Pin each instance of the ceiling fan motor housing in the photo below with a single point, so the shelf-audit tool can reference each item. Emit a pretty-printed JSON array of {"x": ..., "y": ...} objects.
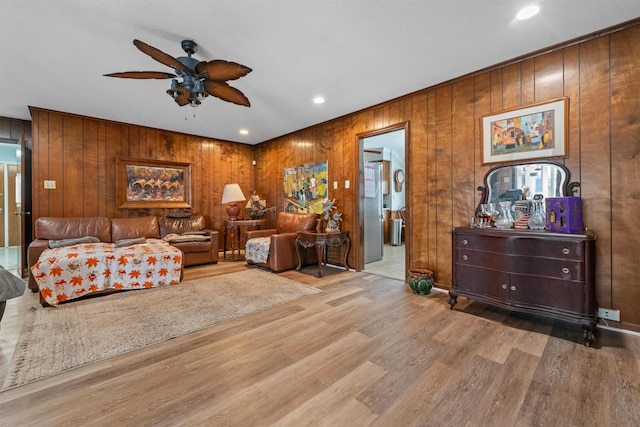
[{"x": 189, "y": 46}]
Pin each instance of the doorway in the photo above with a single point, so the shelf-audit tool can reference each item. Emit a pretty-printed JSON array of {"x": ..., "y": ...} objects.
[
  {"x": 10, "y": 207},
  {"x": 383, "y": 151}
]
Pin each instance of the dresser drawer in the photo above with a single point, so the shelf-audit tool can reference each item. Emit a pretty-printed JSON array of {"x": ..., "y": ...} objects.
[
  {"x": 546, "y": 267},
  {"x": 549, "y": 248}
]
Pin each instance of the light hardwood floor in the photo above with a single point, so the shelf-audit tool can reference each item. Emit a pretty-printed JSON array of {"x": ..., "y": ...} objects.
[{"x": 364, "y": 352}]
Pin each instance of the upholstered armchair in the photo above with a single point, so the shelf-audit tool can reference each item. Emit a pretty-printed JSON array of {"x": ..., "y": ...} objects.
[{"x": 280, "y": 241}]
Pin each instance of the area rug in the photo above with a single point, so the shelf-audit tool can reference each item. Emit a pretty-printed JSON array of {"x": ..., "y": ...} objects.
[{"x": 55, "y": 340}]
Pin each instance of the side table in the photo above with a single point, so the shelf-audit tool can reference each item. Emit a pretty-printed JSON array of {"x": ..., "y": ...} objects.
[
  {"x": 308, "y": 239},
  {"x": 234, "y": 225}
]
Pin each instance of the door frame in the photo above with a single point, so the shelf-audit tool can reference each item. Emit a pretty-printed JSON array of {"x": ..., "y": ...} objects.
[{"x": 359, "y": 238}]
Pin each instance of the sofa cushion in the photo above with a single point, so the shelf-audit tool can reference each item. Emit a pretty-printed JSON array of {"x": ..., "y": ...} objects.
[
  {"x": 181, "y": 225},
  {"x": 291, "y": 222},
  {"x": 49, "y": 228},
  {"x": 70, "y": 242},
  {"x": 133, "y": 228}
]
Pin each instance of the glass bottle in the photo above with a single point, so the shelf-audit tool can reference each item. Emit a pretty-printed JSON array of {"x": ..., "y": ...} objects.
[
  {"x": 506, "y": 219},
  {"x": 484, "y": 217},
  {"x": 538, "y": 217},
  {"x": 521, "y": 209},
  {"x": 493, "y": 213}
]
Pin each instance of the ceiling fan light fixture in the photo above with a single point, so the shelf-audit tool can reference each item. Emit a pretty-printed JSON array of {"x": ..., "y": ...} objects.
[
  {"x": 198, "y": 91},
  {"x": 174, "y": 91}
]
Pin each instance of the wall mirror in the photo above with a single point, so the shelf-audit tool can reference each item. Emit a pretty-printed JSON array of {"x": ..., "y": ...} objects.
[{"x": 508, "y": 182}]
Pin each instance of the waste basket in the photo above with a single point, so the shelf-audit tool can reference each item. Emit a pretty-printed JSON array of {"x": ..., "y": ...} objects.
[{"x": 396, "y": 232}]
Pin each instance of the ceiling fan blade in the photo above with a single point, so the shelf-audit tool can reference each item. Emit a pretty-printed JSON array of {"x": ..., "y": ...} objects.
[
  {"x": 183, "y": 99},
  {"x": 226, "y": 92},
  {"x": 160, "y": 56},
  {"x": 142, "y": 75},
  {"x": 221, "y": 70}
]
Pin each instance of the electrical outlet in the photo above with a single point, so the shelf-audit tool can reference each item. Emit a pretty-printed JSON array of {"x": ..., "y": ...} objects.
[
  {"x": 335, "y": 185},
  {"x": 49, "y": 185},
  {"x": 609, "y": 314}
]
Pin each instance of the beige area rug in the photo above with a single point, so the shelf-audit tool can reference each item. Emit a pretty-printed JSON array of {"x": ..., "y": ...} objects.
[{"x": 55, "y": 340}]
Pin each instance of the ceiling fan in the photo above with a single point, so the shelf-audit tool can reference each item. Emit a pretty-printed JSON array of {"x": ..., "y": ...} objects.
[{"x": 199, "y": 78}]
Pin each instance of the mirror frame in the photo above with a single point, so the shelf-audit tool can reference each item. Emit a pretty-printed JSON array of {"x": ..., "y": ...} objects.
[{"x": 568, "y": 187}]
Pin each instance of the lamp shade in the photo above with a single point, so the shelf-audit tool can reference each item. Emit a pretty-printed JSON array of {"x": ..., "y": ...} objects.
[
  {"x": 230, "y": 196},
  {"x": 232, "y": 193}
]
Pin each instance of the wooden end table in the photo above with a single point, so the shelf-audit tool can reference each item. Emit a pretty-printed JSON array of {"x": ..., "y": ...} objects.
[
  {"x": 308, "y": 239},
  {"x": 234, "y": 225}
]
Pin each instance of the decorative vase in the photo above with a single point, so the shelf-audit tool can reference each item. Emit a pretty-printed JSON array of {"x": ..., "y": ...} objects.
[
  {"x": 420, "y": 281},
  {"x": 506, "y": 219}
]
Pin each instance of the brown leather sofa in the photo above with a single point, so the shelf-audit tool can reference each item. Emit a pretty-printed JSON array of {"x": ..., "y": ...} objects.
[
  {"x": 111, "y": 230},
  {"x": 282, "y": 250}
]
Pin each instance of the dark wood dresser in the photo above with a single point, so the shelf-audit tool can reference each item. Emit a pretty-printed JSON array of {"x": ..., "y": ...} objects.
[{"x": 539, "y": 272}]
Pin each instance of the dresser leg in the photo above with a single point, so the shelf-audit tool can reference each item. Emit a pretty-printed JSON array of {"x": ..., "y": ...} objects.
[
  {"x": 589, "y": 329},
  {"x": 453, "y": 299}
]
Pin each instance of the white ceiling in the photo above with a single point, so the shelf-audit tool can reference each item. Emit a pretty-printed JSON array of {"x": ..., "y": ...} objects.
[{"x": 355, "y": 53}]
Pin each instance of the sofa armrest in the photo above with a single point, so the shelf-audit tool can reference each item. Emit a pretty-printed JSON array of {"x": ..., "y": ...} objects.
[
  {"x": 282, "y": 252},
  {"x": 34, "y": 251},
  {"x": 252, "y": 234}
]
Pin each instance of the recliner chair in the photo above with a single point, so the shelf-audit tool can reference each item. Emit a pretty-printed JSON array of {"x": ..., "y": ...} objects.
[{"x": 282, "y": 249}]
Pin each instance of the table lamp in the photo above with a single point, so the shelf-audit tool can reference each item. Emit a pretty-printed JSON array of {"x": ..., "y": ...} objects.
[{"x": 230, "y": 196}]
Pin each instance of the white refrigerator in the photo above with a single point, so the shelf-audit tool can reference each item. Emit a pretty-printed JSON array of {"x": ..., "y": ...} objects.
[{"x": 373, "y": 215}]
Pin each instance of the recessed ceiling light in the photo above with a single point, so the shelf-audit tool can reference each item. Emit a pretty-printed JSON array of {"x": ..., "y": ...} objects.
[
  {"x": 244, "y": 132},
  {"x": 318, "y": 100},
  {"x": 528, "y": 12}
]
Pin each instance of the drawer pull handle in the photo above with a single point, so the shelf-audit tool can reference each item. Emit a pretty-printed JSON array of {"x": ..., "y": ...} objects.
[
  {"x": 465, "y": 242},
  {"x": 565, "y": 270},
  {"x": 513, "y": 288},
  {"x": 464, "y": 257},
  {"x": 504, "y": 286},
  {"x": 566, "y": 251}
]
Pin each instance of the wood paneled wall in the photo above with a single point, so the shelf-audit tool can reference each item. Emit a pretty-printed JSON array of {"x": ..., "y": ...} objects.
[
  {"x": 601, "y": 77},
  {"x": 81, "y": 155}
]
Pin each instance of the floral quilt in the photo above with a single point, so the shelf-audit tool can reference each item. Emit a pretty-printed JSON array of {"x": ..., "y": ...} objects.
[
  {"x": 73, "y": 271},
  {"x": 257, "y": 249}
]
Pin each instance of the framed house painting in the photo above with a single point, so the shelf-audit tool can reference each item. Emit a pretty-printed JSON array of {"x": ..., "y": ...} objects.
[
  {"x": 146, "y": 183},
  {"x": 532, "y": 132}
]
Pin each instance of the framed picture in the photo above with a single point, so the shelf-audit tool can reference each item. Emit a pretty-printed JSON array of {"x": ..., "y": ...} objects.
[
  {"x": 153, "y": 184},
  {"x": 306, "y": 187},
  {"x": 532, "y": 132}
]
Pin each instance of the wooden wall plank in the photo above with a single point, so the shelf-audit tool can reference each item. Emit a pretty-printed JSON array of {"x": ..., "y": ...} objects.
[
  {"x": 572, "y": 91},
  {"x": 596, "y": 155},
  {"x": 444, "y": 190},
  {"x": 90, "y": 167},
  {"x": 463, "y": 156},
  {"x": 549, "y": 77},
  {"x": 625, "y": 174},
  {"x": 427, "y": 206},
  {"x": 55, "y": 162}
]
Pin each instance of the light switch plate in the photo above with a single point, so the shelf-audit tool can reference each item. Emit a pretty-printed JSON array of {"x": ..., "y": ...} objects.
[
  {"x": 335, "y": 185},
  {"x": 347, "y": 184}
]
